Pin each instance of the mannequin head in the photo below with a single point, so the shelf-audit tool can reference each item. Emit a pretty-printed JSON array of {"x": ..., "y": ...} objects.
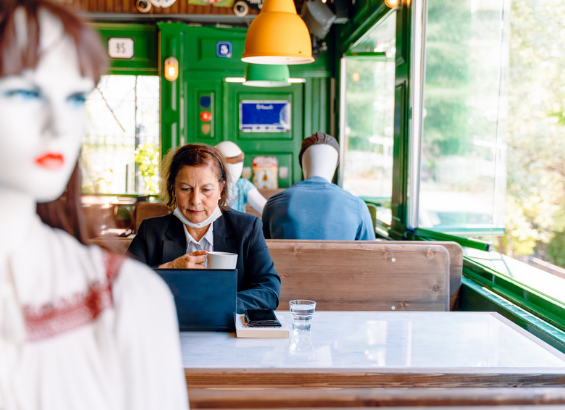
[
  {"x": 234, "y": 157},
  {"x": 49, "y": 62},
  {"x": 319, "y": 156}
]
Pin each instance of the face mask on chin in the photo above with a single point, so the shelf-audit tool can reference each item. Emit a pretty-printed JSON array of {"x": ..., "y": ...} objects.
[{"x": 215, "y": 215}]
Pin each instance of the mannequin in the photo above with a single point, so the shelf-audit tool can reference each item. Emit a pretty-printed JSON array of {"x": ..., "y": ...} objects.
[
  {"x": 235, "y": 156},
  {"x": 316, "y": 209},
  {"x": 319, "y": 161},
  {"x": 86, "y": 303}
]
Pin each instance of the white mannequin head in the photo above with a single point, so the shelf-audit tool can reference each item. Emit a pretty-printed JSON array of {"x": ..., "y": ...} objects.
[
  {"x": 234, "y": 157},
  {"x": 42, "y": 112},
  {"x": 319, "y": 156},
  {"x": 319, "y": 161}
]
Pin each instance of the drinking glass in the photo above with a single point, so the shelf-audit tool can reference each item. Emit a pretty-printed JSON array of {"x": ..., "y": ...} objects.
[{"x": 302, "y": 312}]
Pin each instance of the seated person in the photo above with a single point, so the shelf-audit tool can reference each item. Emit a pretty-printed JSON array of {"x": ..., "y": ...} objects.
[
  {"x": 194, "y": 180},
  {"x": 316, "y": 209},
  {"x": 241, "y": 190}
]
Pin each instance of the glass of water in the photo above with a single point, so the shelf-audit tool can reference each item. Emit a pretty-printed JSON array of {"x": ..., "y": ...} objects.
[{"x": 302, "y": 312}]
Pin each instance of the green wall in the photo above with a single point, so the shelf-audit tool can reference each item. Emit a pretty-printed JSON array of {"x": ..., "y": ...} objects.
[
  {"x": 146, "y": 47},
  {"x": 202, "y": 73}
]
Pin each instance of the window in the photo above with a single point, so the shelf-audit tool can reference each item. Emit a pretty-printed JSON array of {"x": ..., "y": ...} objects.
[
  {"x": 120, "y": 154},
  {"x": 366, "y": 167},
  {"x": 462, "y": 168},
  {"x": 493, "y": 131}
]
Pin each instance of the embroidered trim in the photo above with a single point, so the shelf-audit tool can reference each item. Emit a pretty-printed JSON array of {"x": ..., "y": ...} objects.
[{"x": 53, "y": 319}]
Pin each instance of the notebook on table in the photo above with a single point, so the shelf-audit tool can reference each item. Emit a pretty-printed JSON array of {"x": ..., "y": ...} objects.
[{"x": 205, "y": 298}]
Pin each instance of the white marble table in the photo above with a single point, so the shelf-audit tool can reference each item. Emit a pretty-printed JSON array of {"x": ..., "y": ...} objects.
[{"x": 379, "y": 349}]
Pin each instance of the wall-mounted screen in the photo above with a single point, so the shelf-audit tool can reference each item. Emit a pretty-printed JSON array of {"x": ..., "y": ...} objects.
[{"x": 264, "y": 116}]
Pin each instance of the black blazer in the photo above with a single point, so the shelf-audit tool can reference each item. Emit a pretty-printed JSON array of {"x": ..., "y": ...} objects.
[{"x": 162, "y": 239}]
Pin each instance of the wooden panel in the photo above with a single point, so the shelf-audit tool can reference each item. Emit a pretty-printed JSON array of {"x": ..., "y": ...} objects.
[
  {"x": 348, "y": 378},
  {"x": 363, "y": 276},
  {"x": 128, "y": 6},
  {"x": 144, "y": 210},
  {"x": 115, "y": 245},
  {"x": 347, "y": 398},
  {"x": 455, "y": 261}
]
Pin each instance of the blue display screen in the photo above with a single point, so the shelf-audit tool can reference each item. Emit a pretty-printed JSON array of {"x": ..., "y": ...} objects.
[{"x": 264, "y": 116}]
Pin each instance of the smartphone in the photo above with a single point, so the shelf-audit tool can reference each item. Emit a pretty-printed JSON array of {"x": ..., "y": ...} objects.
[{"x": 261, "y": 318}]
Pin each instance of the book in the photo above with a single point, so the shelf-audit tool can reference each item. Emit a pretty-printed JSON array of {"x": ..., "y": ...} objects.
[{"x": 243, "y": 330}]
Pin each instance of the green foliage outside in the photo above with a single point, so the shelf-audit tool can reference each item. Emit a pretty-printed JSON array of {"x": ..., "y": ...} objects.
[
  {"x": 536, "y": 142},
  {"x": 456, "y": 74},
  {"x": 147, "y": 159}
]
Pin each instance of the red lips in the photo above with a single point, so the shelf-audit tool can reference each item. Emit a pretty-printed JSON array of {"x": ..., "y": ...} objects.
[{"x": 50, "y": 161}]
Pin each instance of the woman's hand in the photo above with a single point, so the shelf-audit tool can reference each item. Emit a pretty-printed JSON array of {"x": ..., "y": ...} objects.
[{"x": 194, "y": 260}]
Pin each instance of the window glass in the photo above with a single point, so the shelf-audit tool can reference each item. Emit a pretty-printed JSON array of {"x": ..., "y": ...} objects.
[
  {"x": 493, "y": 143},
  {"x": 463, "y": 166},
  {"x": 535, "y": 200},
  {"x": 367, "y": 161},
  {"x": 366, "y": 164},
  {"x": 382, "y": 39},
  {"x": 120, "y": 153}
]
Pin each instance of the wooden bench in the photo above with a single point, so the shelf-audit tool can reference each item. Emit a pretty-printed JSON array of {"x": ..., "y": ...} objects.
[
  {"x": 361, "y": 275},
  {"x": 282, "y": 252},
  {"x": 354, "y": 275},
  {"x": 144, "y": 210}
]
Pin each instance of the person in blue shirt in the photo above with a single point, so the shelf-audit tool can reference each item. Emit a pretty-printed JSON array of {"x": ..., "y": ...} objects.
[
  {"x": 315, "y": 208},
  {"x": 241, "y": 189}
]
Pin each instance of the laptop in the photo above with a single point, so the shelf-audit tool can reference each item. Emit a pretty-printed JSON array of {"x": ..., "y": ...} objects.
[{"x": 205, "y": 298}]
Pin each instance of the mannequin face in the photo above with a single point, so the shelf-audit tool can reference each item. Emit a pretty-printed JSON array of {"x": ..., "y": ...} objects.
[
  {"x": 197, "y": 190},
  {"x": 235, "y": 171},
  {"x": 230, "y": 149},
  {"x": 319, "y": 161},
  {"x": 43, "y": 118}
]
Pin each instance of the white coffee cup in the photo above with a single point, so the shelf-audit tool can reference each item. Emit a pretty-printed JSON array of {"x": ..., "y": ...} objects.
[{"x": 222, "y": 260}]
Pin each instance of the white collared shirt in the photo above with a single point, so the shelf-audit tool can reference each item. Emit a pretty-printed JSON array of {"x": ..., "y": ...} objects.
[{"x": 205, "y": 244}]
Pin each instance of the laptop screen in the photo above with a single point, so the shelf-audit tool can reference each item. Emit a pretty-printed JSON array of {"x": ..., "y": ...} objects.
[{"x": 205, "y": 298}]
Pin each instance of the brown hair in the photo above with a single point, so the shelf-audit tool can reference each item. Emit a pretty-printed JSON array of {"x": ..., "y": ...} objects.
[
  {"x": 20, "y": 46},
  {"x": 192, "y": 155},
  {"x": 315, "y": 139},
  {"x": 66, "y": 213}
]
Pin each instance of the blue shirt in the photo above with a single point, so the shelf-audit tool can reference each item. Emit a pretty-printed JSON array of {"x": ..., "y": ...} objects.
[
  {"x": 316, "y": 209},
  {"x": 239, "y": 195}
]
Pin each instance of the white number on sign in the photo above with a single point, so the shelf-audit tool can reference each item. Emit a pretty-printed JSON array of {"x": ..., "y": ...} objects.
[{"x": 120, "y": 47}]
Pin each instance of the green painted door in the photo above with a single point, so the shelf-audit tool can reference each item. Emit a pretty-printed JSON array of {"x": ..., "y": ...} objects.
[{"x": 285, "y": 146}]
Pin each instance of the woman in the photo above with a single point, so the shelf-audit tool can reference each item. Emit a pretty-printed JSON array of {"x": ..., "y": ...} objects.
[
  {"x": 79, "y": 328},
  {"x": 194, "y": 181}
]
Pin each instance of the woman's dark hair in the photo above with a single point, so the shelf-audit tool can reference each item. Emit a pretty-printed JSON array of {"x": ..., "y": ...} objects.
[
  {"x": 20, "y": 38},
  {"x": 192, "y": 155},
  {"x": 66, "y": 213}
]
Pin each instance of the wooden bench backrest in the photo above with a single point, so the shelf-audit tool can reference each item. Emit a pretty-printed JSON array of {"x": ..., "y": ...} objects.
[
  {"x": 363, "y": 276},
  {"x": 455, "y": 260},
  {"x": 112, "y": 244},
  {"x": 286, "y": 261},
  {"x": 144, "y": 210}
]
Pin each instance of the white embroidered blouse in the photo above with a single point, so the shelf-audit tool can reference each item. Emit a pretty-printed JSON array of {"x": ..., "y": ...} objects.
[{"x": 84, "y": 329}]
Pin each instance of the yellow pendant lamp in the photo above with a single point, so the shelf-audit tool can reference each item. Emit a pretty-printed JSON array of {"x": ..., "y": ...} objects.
[{"x": 278, "y": 36}]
